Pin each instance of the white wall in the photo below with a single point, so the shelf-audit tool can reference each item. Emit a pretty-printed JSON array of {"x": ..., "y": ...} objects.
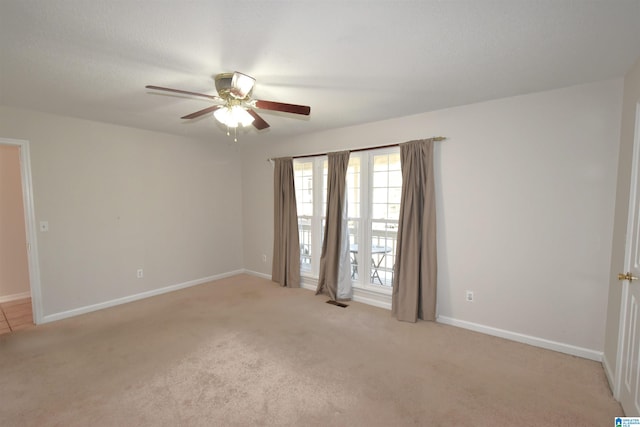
[
  {"x": 630, "y": 101},
  {"x": 118, "y": 199},
  {"x": 525, "y": 192},
  {"x": 14, "y": 269}
]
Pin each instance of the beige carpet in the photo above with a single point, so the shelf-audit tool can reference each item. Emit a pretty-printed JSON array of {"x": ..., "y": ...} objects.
[{"x": 243, "y": 351}]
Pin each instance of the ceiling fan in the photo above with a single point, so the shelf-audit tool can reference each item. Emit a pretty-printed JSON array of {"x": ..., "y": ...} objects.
[{"x": 236, "y": 105}]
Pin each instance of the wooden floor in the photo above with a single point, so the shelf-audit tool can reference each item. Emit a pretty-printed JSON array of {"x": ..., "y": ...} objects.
[{"x": 15, "y": 315}]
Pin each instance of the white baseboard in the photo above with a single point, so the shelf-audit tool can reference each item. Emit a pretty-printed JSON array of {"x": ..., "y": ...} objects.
[
  {"x": 526, "y": 339},
  {"x": 384, "y": 301},
  {"x": 257, "y": 274},
  {"x": 130, "y": 298},
  {"x": 359, "y": 295},
  {"x": 372, "y": 298},
  {"x": 309, "y": 283},
  {"x": 364, "y": 296},
  {"x": 608, "y": 373},
  {"x": 14, "y": 297}
]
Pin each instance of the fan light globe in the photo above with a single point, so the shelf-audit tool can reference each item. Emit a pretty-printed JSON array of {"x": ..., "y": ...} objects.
[
  {"x": 242, "y": 85},
  {"x": 233, "y": 116}
]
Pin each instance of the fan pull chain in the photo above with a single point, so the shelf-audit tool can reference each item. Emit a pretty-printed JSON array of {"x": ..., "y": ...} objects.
[{"x": 235, "y": 133}]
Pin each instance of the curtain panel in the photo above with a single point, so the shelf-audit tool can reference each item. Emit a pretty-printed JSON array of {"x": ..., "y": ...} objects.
[
  {"x": 285, "y": 268},
  {"x": 415, "y": 270},
  {"x": 334, "y": 279}
]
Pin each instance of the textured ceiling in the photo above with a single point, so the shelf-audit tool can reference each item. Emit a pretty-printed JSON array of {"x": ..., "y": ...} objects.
[{"x": 351, "y": 61}]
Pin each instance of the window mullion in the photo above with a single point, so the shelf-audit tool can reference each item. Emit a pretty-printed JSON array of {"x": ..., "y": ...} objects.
[
  {"x": 365, "y": 238},
  {"x": 317, "y": 215},
  {"x": 358, "y": 220}
]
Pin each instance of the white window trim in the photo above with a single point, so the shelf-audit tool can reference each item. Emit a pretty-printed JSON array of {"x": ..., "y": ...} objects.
[{"x": 364, "y": 291}]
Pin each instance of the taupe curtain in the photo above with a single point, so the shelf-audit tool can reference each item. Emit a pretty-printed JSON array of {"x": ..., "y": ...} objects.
[
  {"x": 286, "y": 242},
  {"x": 333, "y": 246},
  {"x": 415, "y": 270}
]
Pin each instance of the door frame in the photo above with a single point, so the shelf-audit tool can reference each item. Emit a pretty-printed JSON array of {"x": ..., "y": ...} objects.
[
  {"x": 30, "y": 225},
  {"x": 633, "y": 189}
]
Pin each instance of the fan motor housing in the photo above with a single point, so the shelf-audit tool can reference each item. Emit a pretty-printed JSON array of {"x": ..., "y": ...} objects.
[{"x": 234, "y": 85}]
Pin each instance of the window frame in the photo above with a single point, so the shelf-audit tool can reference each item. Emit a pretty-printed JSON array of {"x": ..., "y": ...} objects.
[
  {"x": 365, "y": 220},
  {"x": 317, "y": 216}
]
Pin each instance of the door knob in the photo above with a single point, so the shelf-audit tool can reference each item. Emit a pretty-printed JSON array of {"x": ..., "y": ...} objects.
[{"x": 627, "y": 276}]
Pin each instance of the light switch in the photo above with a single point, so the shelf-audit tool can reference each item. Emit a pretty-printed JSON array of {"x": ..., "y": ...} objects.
[{"x": 44, "y": 226}]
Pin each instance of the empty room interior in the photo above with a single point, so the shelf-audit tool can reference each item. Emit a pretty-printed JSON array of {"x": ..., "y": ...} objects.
[{"x": 150, "y": 153}]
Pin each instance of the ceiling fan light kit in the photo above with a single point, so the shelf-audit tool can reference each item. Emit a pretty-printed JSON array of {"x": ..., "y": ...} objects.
[
  {"x": 234, "y": 92},
  {"x": 234, "y": 85},
  {"x": 233, "y": 116}
]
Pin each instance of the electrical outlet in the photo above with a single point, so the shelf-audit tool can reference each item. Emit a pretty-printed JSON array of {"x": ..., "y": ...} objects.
[
  {"x": 469, "y": 296},
  {"x": 140, "y": 273},
  {"x": 264, "y": 258}
]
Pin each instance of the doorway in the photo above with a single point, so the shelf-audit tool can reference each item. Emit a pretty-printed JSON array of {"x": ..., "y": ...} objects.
[
  {"x": 20, "y": 276},
  {"x": 627, "y": 382}
]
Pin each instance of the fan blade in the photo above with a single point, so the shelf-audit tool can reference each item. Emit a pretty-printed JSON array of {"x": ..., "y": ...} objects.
[
  {"x": 279, "y": 106},
  {"x": 201, "y": 112},
  {"x": 258, "y": 121},
  {"x": 185, "y": 92}
]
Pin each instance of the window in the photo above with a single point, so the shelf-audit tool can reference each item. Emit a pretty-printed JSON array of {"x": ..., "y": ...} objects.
[
  {"x": 353, "y": 210},
  {"x": 311, "y": 206},
  {"x": 303, "y": 179},
  {"x": 386, "y": 188},
  {"x": 374, "y": 185}
]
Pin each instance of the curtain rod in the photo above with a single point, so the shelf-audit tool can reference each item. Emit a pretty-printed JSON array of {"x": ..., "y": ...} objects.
[{"x": 303, "y": 156}]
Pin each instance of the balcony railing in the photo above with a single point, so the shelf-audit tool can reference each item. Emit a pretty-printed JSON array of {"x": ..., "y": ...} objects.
[
  {"x": 383, "y": 252},
  {"x": 383, "y": 248},
  {"x": 304, "y": 232}
]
